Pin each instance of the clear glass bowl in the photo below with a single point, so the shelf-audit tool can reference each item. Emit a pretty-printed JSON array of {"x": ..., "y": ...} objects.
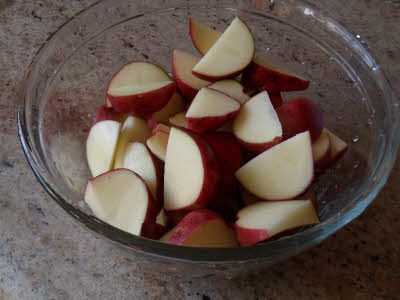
[{"x": 67, "y": 79}]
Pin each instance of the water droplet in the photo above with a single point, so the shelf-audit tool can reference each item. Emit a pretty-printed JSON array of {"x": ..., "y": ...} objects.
[
  {"x": 370, "y": 121},
  {"x": 356, "y": 164},
  {"x": 355, "y": 138},
  {"x": 363, "y": 100},
  {"x": 358, "y": 36}
]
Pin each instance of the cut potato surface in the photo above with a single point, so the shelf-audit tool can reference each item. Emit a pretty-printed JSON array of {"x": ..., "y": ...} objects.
[
  {"x": 282, "y": 172},
  {"x": 257, "y": 121},
  {"x": 209, "y": 103},
  {"x": 101, "y": 146},
  {"x": 232, "y": 52},
  {"x": 120, "y": 198},
  {"x": 184, "y": 172}
]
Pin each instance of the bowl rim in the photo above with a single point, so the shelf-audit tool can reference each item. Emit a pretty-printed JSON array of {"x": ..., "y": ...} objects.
[{"x": 275, "y": 249}]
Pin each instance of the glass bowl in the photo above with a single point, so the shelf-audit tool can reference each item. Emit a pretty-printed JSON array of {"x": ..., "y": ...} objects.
[{"x": 66, "y": 82}]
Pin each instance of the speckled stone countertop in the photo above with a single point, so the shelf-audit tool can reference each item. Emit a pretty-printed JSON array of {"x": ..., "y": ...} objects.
[{"x": 44, "y": 254}]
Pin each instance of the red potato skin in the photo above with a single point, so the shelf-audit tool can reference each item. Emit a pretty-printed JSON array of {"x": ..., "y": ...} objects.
[
  {"x": 275, "y": 98},
  {"x": 299, "y": 115},
  {"x": 259, "y": 148},
  {"x": 211, "y": 172},
  {"x": 174, "y": 217},
  {"x": 153, "y": 206},
  {"x": 205, "y": 124},
  {"x": 144, "y": 104},
  {"x": 153, "y": 231},
  {"x": 249, "y": 237},
  {"x": 229, "y": 155},
  {"x": 188, "y": 92},
  {"x": 282, "y": 234},
  {"x": 256, "y": 77},
  {"x": 104, "y": 113},
  {"x": 189, "y": 223}
]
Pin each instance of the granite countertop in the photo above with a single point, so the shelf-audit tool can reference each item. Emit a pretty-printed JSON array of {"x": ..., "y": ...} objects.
[{"x": 44, "y": 254}]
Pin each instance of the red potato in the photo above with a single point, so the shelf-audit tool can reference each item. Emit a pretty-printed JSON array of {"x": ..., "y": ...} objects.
[
  {"x": 257, "y": 126},
  {"x": 282, "y": 172},
  {"x": 321, "y": 151},
  {"x": 203, "y": 228},
  {"x": 299, "y": 115},
  {"x": 162, "y": 218},
  {"x": 203, "y": 37},
  {"x": 232, "y": 88},
  {"x": 175, "y": 104},
  {"x": 227, "y": 204},
  {"x": 227, "y": 127},
  {"x": 276, "y": 99},
  {"x": 262, "y": 220},
  {"x": 247, "y": 198},
  {"x": 153, "y": 231},
  {"x": 140, "y": 160},
  {"x": 191, "y": 171},
  {"x": 140, "y": 88},
  {"x": 158, "y": 143},
  {"x": 161, "y": 127},
  {"x": 108, "y": 103},
  {"x": 167, "y": 235},
  {"x": 182, "y": 65},
  {"x": 262, "y": 74},
  {"x": 178, "y": 120},
  {"x": 134, "y": 129},
  {"x": 229, "y": 55},
  {"x": 101, "y": 146},
  {"x": 158, "y": 229},
  {"x": 104, "y": 113},
  {"x": 174, "y": 217},
  {"x": 338, "y": 147},
  {"x": 309, "y": 195},
  {"x": 121, "y": 198},
  {"x": 209, "y": 110},
  {"x": 229, "y": 155}
]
